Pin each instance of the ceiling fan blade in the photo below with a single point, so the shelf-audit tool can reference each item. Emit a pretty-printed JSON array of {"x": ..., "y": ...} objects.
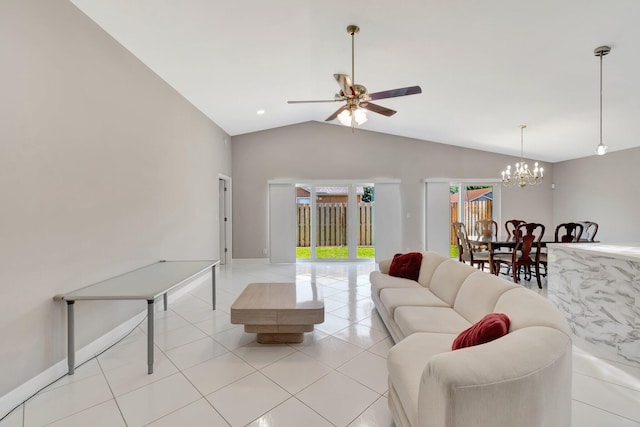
[
  {"x": 346, "y": 86},
  {"x": 411, "y": 90},
  {"x": 377, "y": 109},
  {"x": 306, "y": 102},
  {"x": 338, "y": 111}
]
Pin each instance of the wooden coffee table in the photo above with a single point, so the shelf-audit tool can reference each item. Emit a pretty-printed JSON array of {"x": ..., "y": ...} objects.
[{"x": 278, "y": 312}]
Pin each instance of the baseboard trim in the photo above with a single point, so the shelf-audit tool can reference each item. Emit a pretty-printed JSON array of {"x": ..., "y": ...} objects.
[{"x": 24, "y": 392}]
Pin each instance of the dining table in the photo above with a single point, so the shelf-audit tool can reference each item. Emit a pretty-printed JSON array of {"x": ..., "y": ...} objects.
[{"x": 495, "y": 243}]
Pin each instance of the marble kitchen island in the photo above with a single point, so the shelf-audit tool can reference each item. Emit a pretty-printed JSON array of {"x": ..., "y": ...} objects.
[{"x": 597, "y": 287}]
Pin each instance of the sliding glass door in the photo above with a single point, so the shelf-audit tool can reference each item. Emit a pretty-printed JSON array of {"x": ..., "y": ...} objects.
[
  {"x": 470, "y": 202},
  {"x": 331, "y": 229},
  {"x": 334, "y": 222}
]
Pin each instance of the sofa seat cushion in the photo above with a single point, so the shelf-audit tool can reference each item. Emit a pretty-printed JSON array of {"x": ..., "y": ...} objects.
[
  {"x": 429, "y": 319},
  {"x": 393, "y": 298},
  {"x": 406, "y": 361},
  {"x": 380, "y": 281}
]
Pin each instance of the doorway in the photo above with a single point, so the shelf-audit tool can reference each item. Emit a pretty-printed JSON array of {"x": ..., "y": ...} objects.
[{"x": 470, "y": 202}]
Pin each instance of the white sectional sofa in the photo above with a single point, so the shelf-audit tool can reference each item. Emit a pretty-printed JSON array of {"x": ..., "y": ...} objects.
[{"x": 522, "y": 379}]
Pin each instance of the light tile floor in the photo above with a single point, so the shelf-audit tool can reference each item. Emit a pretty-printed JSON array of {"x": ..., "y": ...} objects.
[{"x": 209, "y": 372}]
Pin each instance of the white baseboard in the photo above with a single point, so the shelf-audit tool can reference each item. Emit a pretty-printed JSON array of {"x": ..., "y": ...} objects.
[{"x": 23, "y": 392}]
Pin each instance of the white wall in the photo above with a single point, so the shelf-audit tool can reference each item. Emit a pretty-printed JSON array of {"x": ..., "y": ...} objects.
[
  {"x": 387, "y": 220},
  {"x": 282, "y": 212},
  {"x": 316, "y": 151},
  {"x": 103, "y": 168},
  {"x": 603, "y": 189},
  {"x": 438, "y": 217}
]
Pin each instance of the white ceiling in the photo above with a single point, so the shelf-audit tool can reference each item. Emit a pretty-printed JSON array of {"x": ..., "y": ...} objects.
[{"x": 485, "y": 67}]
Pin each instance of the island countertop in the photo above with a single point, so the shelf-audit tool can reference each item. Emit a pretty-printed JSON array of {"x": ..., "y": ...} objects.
[
  {"x": 626, "y": 251},
  {"x": 597, "y": 287}
]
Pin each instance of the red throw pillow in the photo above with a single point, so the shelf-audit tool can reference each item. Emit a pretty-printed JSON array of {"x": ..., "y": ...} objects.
[
  {"x": 490, "y": 327},
  {"x": 406, "y": 265}
]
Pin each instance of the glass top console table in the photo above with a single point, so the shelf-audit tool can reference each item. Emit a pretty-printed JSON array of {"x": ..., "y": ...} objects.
[{"x": 146, "y": 283}]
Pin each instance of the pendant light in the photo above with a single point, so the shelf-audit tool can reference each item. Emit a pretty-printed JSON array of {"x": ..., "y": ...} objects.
[{"x": 601, "y": 51}]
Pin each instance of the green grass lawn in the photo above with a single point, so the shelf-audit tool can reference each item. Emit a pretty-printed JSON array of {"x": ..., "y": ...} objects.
[
  {"x": 335, "y": 252},
  {"x": 453, "y": 251},
  {"x": 342, "y": 252}
]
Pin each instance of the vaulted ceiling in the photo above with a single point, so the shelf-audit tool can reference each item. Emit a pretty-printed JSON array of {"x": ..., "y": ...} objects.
[{"x": 484, "y": 67}]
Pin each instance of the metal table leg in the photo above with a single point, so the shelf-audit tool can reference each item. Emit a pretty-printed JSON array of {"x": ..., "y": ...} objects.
[
  {"x": 71, "y": 346},
  {"x": 150, "y": 336}
]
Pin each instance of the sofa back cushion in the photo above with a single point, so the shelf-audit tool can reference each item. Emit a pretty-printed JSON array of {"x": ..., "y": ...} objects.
[
  {"x": 384, "y": 265},
  {"x": 526, "y": 308},
  {"x": 479, "y": 294},
  {"x": 430, "y": 261},
  {"x": 447, "y": 279}
]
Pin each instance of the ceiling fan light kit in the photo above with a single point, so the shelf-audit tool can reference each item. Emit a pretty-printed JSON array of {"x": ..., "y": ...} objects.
[
  {"x": 351, "y": 118},
  {"x": 357, "y": 97}
]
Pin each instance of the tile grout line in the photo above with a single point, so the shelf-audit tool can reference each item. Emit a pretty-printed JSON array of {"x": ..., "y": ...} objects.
[
  {"x": 637, "y": 390},
  {"x": 607, "y": 411}
]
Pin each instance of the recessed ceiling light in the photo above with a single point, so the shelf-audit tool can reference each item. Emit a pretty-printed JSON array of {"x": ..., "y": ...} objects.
[{"x": 260, "y": 112}]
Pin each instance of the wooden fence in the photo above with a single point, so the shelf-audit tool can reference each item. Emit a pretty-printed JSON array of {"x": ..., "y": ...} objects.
[
  {"x": 473, "y": 211},
  {"x": 331, "y": 224}
]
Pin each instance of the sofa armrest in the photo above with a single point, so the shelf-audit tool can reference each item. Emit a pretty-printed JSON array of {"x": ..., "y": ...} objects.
[
  {"x": 523, "y": 379},
  {"x": 385, "y": 264}
]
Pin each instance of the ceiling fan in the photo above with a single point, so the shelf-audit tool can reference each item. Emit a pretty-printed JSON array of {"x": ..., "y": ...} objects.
[{"x": 356, "y": 96}]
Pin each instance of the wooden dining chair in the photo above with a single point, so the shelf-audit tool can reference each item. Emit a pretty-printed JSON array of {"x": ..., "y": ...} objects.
[
  {"x": 457, "y": 232},
  {"x": 526, "y": 252},
  {"x": 466, "y": 252},
  {"x": 567, "y": 232},
  {"x": 511, "y": 226},
  {"x": 589, "y": 231},
  {"x": 486, "y": 229}
]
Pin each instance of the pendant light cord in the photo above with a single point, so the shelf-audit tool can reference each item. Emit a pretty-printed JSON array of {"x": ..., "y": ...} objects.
[{"x": 601, "y": 55}]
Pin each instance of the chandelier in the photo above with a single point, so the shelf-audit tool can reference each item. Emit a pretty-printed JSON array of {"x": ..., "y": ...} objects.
[
  {"x": 601, "y": 51},
  {"x": 522, "y": 175}
]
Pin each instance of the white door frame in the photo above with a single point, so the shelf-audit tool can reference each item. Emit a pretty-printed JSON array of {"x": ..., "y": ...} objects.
[{"x": 438, "y": 212}]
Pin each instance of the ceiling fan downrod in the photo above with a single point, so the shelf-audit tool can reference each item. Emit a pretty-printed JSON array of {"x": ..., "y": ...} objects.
[{"x": 353, "y": 30}]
